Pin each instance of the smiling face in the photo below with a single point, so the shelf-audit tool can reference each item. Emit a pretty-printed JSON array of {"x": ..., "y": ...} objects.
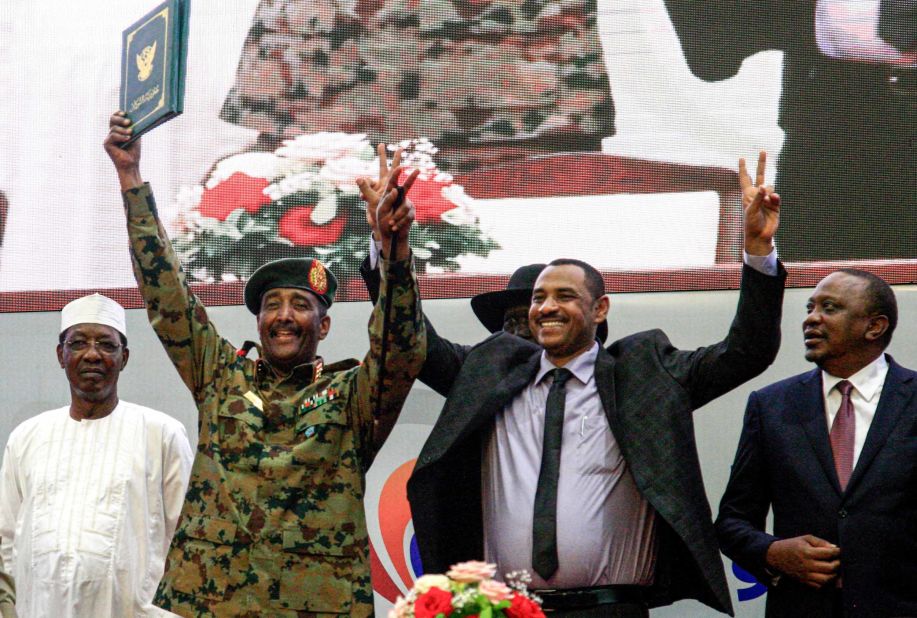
[
  {"x": 291, "y": 323},
  {"x": 92, "y": 356},
  {"x": 840, "y": 335},
  {"x": 564, "y": 314}
]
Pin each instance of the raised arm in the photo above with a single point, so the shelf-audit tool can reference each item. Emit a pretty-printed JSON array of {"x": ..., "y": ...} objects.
[
  {"x": 397, "y": 335},
  {"x": 443, "y": 357},
  {"x": 177, "y": 316},
  {"x": 760, "y": 207},
  {"x": 753, "y": 340}
]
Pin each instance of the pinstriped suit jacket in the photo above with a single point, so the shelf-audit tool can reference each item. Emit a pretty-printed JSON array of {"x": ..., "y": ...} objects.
[{"x": 648, "y": 389}]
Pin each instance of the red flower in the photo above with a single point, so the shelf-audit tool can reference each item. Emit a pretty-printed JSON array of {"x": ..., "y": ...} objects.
[
  {"x": 523, "y": 607},
  {"x": 238, "y": 191},
  {"x": 433, "y": 602},
  {"x": 296, "y": 225},
  {"x": 428, "y": 199}
]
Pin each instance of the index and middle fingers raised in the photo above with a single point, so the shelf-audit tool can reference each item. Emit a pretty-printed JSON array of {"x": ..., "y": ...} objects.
[
  {"x": 371, "y": 190},
  {"x": 745, "y": 179},
  {"x": 381, "y": 151},
  {"x": 392, "y": 193}
]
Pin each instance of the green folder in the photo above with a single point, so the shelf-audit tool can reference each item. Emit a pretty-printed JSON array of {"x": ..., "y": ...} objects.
[{"x": 153, "y": 63}]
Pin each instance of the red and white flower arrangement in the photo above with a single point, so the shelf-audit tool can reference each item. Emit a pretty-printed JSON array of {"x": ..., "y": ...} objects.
[
  {"x": 469, "y": 590},
  {"x": 302, "y": 200}
]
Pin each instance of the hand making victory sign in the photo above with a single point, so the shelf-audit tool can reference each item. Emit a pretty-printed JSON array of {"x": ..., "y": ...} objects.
[
  {"x": 388, "y": 211},
  {"x": 761, "y": 207}
]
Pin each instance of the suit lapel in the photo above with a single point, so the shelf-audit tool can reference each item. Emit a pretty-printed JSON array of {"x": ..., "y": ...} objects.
[
  {"x": 811, "y": 402},
  {"x": 605, "y": 383},
  {"x": 464, "y": 415},
  {"x": 896, "y": 393}
]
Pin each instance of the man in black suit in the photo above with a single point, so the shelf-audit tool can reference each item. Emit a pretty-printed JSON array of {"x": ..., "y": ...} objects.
[
  {"x": 834, "y": 453},
  {"x": 848, "y": 109},
  {"x": 631, "y": 527}
]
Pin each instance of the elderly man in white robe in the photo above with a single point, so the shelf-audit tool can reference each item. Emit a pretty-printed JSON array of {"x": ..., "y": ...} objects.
[{"x": 90, "y": 493}]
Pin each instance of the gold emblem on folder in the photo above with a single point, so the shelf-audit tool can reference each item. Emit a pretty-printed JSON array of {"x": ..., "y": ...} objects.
[{"x": 145, "y": 62}]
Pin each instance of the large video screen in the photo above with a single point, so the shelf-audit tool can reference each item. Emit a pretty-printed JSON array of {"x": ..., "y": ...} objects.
[{"x": 607, "y": 131}]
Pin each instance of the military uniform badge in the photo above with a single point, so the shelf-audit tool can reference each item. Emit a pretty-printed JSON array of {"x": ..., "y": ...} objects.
[
  {"x": 318, "y": 278},
  {"x": 318, "y": 399}
]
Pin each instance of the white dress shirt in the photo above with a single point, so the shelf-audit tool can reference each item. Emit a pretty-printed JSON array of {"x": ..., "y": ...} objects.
[
  {"x": 88, "y": 509},
  {"x": 867, "y": 389}
]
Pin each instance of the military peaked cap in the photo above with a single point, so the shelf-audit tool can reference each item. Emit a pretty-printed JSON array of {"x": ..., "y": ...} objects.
[{"x": 302, "y": 273}]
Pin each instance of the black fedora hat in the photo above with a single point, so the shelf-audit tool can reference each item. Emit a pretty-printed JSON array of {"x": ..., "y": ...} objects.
[{"x": 489, "y": 307}]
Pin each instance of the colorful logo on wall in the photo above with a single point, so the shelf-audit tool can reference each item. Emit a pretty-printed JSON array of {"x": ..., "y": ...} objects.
[
  {"x": 398, "y": 540},
  {"x": 394, "y": 554},
  {"x": 754, "y": 590}
]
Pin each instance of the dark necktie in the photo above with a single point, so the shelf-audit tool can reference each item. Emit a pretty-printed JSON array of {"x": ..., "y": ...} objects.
[
  {"x": 898, "y": 23},
  {"x": 842, "y": 435},
  {"x": 544, "y": 523}
]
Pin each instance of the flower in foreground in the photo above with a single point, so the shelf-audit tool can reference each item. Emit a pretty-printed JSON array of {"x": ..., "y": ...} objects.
[
  {"x": 495, "y": 591},
  {"x": 425, "y": 582},
  {"x": 523, "y": 607},
  {"x": 401, "y": 608},
  {"x": 433, "y": 602},
  {"x": 471, "y": 572}
]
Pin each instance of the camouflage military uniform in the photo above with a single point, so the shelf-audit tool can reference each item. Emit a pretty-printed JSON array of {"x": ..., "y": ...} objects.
[
  {"x": 455, "y": 71},
  {"x": 7, "y": 594},
  {"x": 273, "y": 522}
]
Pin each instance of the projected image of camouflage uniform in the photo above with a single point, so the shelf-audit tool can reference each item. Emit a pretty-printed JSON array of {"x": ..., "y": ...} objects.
[
  {"x": 273, "y": 522},
  {"x": 455, "y": 71}
]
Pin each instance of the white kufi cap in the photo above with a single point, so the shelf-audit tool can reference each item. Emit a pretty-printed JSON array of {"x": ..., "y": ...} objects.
[{"x": 93, "y": 309}]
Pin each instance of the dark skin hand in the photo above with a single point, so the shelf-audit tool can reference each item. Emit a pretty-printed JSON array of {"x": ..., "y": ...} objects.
[
  {"x": 126, "y": 160},
  {"x": 808, "y": 559},
  {"x": 761, "y": 208},
  {"x": 380, "y": 196}
]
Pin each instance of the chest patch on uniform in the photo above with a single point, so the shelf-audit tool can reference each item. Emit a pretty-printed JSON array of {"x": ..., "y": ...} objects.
[
  {"x": 255, "y": 400},
  {"x": 320, "y": 398}
]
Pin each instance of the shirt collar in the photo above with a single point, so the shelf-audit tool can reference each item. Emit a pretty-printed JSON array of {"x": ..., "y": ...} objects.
[
  {"x": 582, "y": 367},
  {"x": 867, "y": 381},
  {"x": 306, "y": 373}
]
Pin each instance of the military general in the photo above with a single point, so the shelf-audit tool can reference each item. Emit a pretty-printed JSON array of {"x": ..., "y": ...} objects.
[{"x": 273, "y": 522}]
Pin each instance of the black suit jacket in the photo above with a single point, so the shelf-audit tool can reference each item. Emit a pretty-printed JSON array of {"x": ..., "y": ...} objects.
[
  {"x": 648, "y": 389},
  {"x": 784, "y": 462}
]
